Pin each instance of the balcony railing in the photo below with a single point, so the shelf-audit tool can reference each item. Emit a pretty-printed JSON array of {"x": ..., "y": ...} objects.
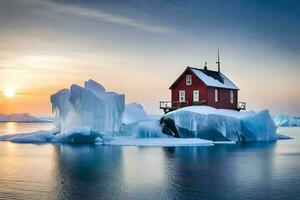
[
  {"x": 168, "y": 106},
  {"x": 172, "y": 104},
  {"x": 241, "y": 106}
]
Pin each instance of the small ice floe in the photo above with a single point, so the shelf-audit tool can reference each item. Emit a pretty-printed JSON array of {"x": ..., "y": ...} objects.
[
  {"x": 285, "y": 120},
  {"x": 159, "y": 142},
  {"x": 283, "y": 137}
]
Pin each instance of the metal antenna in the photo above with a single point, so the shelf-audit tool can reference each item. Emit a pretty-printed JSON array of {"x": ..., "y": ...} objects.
[{"x": 218, "y": 60}]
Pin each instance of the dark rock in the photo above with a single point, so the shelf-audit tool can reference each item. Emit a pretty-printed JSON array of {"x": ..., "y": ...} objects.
[{"x": 168, "y": 127}]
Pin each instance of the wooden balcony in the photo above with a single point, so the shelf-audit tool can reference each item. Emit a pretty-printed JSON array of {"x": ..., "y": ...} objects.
[
  {"x": 168, "y": 106},
  {"x": 241, "y": 106}
]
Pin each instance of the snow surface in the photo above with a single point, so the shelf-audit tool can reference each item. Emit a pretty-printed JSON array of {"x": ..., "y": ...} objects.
[
  {"x": 134, "y": 112},
  {"x": 89, "y": 106},
  {"x": 285, "y": 120},
  {"x": 209, "y": 81},
  {"x": 221, "y": 125},
  {"x": 21, "y": 117}
]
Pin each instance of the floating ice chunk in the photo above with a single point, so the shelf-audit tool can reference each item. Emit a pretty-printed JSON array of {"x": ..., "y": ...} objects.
[
  {"x": 283, "y": 137},
  {"x": 34, "y": 137},
  {"x": 285, "y": 120},
  {"x": 159, "y": 142},
  {"x": 222, "y": 125},
  {"x": 134, "y": 112}
]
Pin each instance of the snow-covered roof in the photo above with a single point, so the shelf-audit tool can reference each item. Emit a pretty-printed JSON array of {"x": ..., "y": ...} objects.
[{"x": 214, "y": 79}]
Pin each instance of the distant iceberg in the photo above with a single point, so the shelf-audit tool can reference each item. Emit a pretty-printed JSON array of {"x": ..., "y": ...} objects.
[
  {"x": 285, "y": 120},
  {"x": 22, "y": 117},
  {"x": 221, "y": 125}
]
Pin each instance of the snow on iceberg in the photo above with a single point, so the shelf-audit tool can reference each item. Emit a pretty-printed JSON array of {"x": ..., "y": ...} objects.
[
  {"x": 89, "y": 106},
  {"x": 134, "y": 112},
  {"x": 222, "y": 125},
  {"x": 285, "y": 120}
]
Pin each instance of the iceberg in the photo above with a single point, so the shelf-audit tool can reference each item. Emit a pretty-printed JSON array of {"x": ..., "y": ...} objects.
[
  {"x": 22, "y": 117},
  {"x": 134, "y": 112},
  {"x": 221, "y": 125},
  {"x": 89, "y": 106},
  {"x": 142, "y": 129},
  {"x": 285, "y": 120}
]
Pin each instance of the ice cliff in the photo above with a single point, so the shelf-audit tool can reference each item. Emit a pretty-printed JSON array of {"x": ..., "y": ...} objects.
[
  {"x": 134, "y": 112},
  {"x": 222, "y": 125},
  {"x": 285, "y": 120},
  {"x": 89, "y": 106}
]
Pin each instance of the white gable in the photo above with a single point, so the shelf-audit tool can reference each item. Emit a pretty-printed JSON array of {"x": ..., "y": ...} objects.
[{"x": 209, "y": 81}]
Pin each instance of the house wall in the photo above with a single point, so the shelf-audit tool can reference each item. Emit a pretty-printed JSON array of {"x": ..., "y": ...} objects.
[
  {"x": 196, "y": 85},
  {"x": 224, "y": 98}
]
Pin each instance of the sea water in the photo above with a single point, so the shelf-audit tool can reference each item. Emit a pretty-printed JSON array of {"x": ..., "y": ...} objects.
[{"x": 224, "y": 171}]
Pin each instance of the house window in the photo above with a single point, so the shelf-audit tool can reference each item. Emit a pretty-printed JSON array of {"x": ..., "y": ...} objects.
[
  {"x": 231, "y": 96},
  {"x": 216, "y": 95},
  {"x": 188, "y": 79},
  {"x": 181, "y": 96},
  {"x": 196, "y": 95}
]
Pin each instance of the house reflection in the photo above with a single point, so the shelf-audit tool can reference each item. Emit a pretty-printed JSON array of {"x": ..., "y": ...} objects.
[{"x": 197, "y": 172}]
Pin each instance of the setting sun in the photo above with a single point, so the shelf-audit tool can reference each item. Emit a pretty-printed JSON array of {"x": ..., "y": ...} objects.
[{"x": 9, "y": 93}]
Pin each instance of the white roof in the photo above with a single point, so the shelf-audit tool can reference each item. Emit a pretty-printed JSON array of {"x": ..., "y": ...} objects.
[{"x": 209, "y": 81}]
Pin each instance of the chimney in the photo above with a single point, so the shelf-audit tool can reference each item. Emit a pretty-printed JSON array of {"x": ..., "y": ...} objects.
[
  {"x": 205, "y": 66},
  {"x": 218, "y": 63}
]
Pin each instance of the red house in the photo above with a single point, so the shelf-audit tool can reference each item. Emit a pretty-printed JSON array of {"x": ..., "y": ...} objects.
[{"x": 203, "y": 87}]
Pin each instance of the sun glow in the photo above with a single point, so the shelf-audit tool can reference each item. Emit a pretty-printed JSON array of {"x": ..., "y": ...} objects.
[{"x": 9, "y": 93}]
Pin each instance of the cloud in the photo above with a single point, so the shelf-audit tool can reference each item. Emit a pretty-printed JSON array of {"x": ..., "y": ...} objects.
[{"x": 100, "y": 15}]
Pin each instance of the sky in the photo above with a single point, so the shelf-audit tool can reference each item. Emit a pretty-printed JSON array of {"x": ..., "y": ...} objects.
[{"x": 139, "y": 48}]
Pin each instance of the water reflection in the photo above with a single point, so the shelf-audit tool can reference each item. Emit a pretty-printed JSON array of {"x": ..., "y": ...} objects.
[
  {"x": 14, "y": 127},
  {"x": 89, "y": 172}
]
